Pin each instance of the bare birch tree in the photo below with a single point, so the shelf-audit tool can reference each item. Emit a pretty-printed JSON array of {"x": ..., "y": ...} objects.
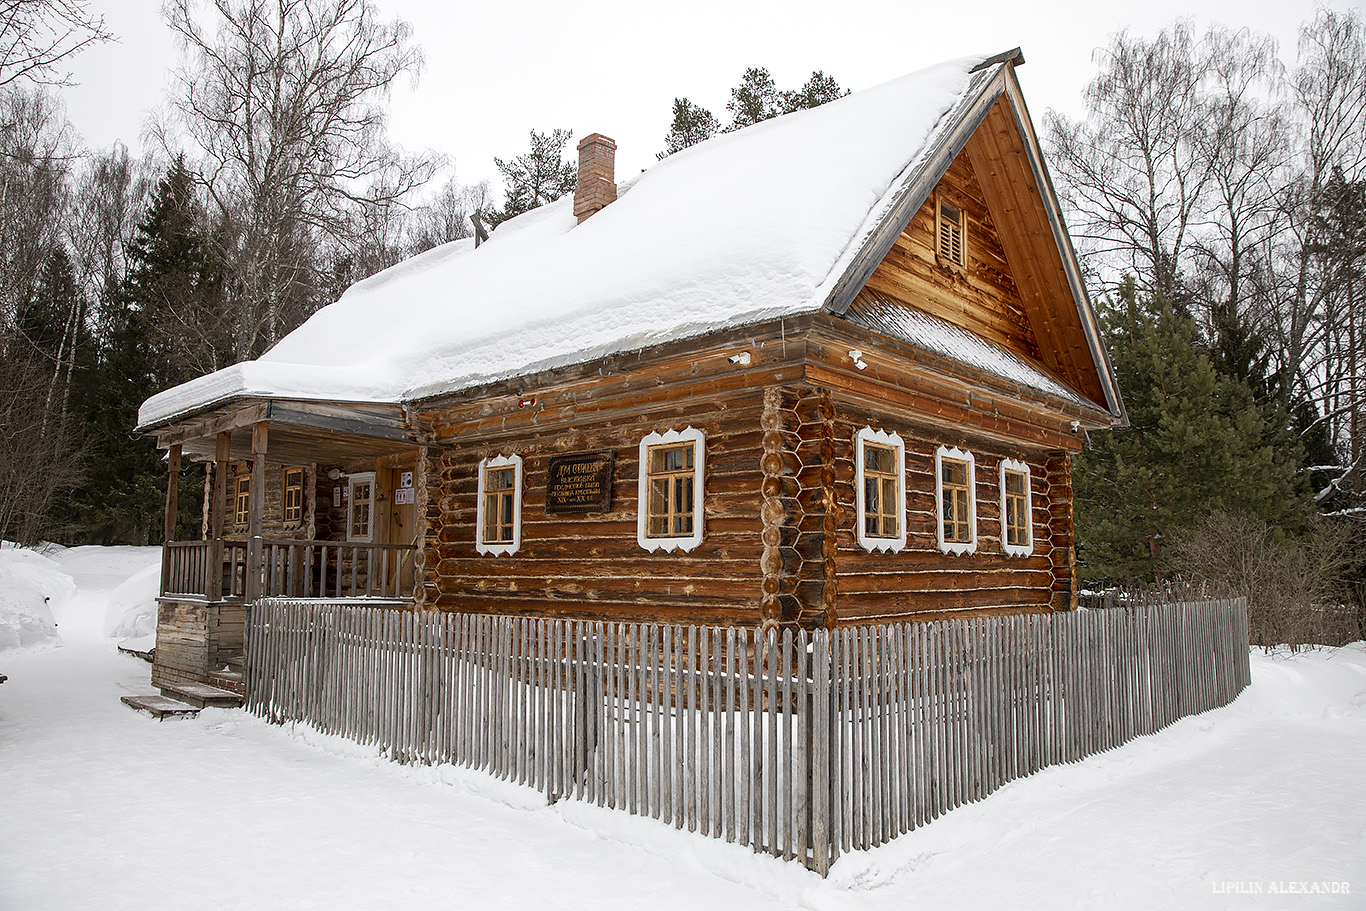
[
  {"x": 284, "y": 104},
  {"x": 38, "y": 36},
  {"x": 1131, "y": 172}
]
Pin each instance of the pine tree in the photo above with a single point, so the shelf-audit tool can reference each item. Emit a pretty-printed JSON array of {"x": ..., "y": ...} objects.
[
  {"x": 538, "y": 176},
  {"x": 819, "y": 89},
  {"x": 755, "y": 99},
  {"x": 691, "y": 124},
  {"x": 1196, "y": 441}
]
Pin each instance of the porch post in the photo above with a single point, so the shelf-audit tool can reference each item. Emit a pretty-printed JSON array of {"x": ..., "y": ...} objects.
[
  {"x": 255, "y": 551},
  {"x": 172, "y": 507},
  {"x": 172, "y": 491},
  {"x": 217, "y": 510}
]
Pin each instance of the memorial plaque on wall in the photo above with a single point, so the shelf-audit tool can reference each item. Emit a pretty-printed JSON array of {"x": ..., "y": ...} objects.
[{"x": 579, "y": 483}]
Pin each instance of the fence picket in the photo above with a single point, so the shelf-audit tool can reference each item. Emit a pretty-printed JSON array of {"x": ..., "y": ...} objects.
[{"x": 801, "y": 745}]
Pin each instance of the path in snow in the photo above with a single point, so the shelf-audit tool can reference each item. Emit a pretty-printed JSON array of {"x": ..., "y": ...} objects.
[{"x": 101, "y": 807}]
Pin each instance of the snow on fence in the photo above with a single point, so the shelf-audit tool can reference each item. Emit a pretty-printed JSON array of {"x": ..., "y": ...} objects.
[{"x": 802, "y": 744}]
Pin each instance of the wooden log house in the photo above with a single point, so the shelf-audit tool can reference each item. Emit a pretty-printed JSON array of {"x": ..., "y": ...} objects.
[{"x": 827, "y": 370}]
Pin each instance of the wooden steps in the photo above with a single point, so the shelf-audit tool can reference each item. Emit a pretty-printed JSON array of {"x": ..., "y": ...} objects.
[
  {"x": 202, "y": 695},
  {"x": 160, "y": 707},
  {"x": 148, "y": 655}
]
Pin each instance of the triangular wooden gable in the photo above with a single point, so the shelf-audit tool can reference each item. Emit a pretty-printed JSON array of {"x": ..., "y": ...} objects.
[{"x": 1021, "y": 288}]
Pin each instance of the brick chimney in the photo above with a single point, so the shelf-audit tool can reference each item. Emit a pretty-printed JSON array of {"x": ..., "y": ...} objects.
[{"x": 597, "y": 184}]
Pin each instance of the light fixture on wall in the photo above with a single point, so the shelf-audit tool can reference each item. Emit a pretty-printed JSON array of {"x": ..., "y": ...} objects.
[
  {"x": 526, "y": 402},
  {"x": 334, "y": 474},
  {"x": 742, "y": 358},
  {"x": 856, "y": 355}
]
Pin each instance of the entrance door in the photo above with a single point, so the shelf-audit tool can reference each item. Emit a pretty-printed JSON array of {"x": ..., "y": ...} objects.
[{"x": 402, "y": 524}]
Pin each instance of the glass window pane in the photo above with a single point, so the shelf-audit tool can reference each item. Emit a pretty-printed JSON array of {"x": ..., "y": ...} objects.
[{"x": 659, "y": 497}]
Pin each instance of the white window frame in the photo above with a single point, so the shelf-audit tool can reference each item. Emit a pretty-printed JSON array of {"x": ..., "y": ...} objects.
[
  {"x": 1017, "y": 550},
  {"x": 499, "y": 548},
  {"x": 364, "y": 477},
  {"x": 683, "y": 543},
  {"x": 955, "y": 547},
  {"x": 890, "y": 441}
]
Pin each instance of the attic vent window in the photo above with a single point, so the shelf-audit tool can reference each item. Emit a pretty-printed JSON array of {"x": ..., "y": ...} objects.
[{"x": 951, "y": 231}]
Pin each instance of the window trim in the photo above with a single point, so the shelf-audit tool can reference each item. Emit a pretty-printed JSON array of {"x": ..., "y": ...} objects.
[
  {"x": 242, "y": 516},
  {"x": 957, "y": 455},
  {"x": 362, "y": 477},
  {"x": 684, "y": 543},
  {"x": 499, "y": 548},
  {"x": 284, "y": 495},
  {"x": 1014, "y": 466},
  {"x": 961, "y": 226},
  {"x": 891, "y": 441}
]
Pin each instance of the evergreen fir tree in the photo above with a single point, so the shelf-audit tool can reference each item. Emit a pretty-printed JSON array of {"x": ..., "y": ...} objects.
[
  {"x": 539, "y": 176},
  {"x": 42, "y": 319},
  {"x": 1196, "y": 441},
  {"x": 161, "y": 332}
]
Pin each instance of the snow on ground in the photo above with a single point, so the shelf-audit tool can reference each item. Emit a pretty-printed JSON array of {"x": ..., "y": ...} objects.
[{"x": 101, "y": 807}]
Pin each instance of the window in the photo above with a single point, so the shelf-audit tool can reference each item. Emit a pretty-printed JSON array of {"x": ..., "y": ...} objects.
[
  {"x": 670, "y": 492},
  {"x": 498, "y": 513},
  {"x": 294, "y": 495},
  {"x": 951, "y": 234},
  {"x": 881, "y": 490},
  {"x": 1017, "y": 533},
  {"x": 360, "y": 507},
  {"x": 243, "y": 500},
  {"x": 954, "y": 481}
]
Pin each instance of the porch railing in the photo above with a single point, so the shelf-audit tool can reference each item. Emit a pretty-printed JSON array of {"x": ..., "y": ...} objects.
[{"x": 287, "y": 568}]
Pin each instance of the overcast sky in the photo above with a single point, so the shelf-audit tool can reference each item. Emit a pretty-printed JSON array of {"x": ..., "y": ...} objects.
[{"x": 496, "y": 70}]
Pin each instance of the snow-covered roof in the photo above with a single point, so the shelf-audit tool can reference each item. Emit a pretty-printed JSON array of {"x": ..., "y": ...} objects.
[
  {"x": 939, "y": 336},
  {"x": 751, "y": 225}
]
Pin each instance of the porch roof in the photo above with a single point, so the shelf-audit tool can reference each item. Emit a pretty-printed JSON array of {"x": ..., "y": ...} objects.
[{"x": 301, "y": 432}]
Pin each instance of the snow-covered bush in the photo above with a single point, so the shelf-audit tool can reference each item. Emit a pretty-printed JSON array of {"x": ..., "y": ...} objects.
[
  {"x": 30, "y": 585},
  {"x": 132, "y": 612}
]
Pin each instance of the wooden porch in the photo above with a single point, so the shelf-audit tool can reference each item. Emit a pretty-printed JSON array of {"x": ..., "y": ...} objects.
[
  {"x": 244, "y": 570},
  {"x": 301, "y": 502}
]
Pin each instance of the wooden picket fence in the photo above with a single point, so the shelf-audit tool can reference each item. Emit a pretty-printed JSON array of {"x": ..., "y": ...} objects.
[{"x": 805, "y": 745}]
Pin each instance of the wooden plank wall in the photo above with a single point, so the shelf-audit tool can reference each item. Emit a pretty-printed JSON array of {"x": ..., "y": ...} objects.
[
  {"x": 801, "y": 745},
  {"x": 981, "y": 297},
  {"x": 182, "y": 650}
]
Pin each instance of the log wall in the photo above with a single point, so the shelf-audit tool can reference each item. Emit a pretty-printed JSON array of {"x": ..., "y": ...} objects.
[
  {"x": 920, "y": 579},
  {"x": 273, "y": 524},
  {"x": 591, "y": 565},
  {"x": 779, "y": 545}
]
